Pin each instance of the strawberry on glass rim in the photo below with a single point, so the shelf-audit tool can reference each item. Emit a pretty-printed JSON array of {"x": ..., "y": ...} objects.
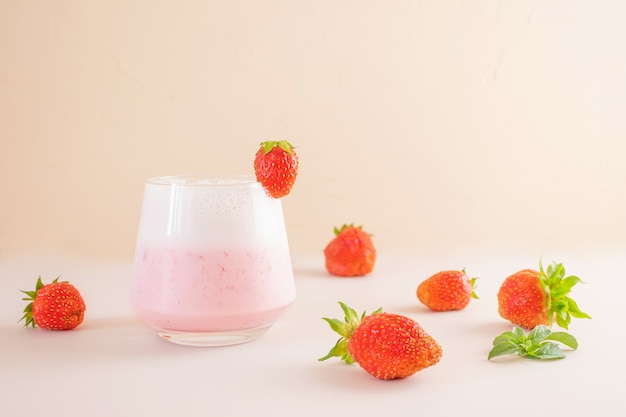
[{"x": 276, "y": 167}]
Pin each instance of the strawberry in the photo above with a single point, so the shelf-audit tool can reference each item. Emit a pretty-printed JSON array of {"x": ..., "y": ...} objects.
[
  {"x": 54, "y": 306},
  {"x": 385, "y": 345},
  {"x": 447, "y": 290},
  {"x": 530, "y": 298},
  {"x": 276, "y": 167},
  {"x": 351, "y": 252}
]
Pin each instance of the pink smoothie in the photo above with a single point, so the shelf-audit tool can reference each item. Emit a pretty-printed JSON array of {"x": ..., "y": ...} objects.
[{"x": 196, "y": 290}]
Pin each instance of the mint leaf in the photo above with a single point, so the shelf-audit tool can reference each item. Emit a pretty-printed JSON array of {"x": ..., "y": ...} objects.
[
  {"x": 549, "y": 351},
  {"x": 538, "y": 344},
  {"x": 539, "y": 333},
  {"x": 505, "y": 348},
  {"x": 504, "y": 338},
  {"x": 565, "y": 338},
  {"x": 519, "y": 332}
]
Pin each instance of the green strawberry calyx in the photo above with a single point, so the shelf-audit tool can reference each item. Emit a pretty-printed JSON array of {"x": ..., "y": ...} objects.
[
  {"x": 344, "y": 328},
  {"x": 271, "y": 144},
  {"x": 28, "y": 318},
  {"x": 337, "y": 230},
  {"x": 472, "y": 282},
  {"x": 538, "y": 344},
  {"x": 557, "y": 287}
]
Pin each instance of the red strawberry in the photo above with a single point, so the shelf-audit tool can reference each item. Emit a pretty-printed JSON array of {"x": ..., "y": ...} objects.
[
  {"x": 351, "y": 253},
  {"x": 387, "y": 346},
  {"x": 530, "y": 298},
  {"x": 447, "y": 290},
  {"x": 276, "y": 167},
  {"x": 54, "y": 306}
]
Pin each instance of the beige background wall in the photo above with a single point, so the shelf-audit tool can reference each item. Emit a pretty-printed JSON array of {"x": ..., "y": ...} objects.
[{"x": 435, "y": 124}]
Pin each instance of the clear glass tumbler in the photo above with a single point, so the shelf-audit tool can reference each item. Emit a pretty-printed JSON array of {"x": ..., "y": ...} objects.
[{"x": 212, "y": 265}]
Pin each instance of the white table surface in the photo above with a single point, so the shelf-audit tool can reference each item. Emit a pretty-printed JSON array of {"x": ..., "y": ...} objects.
[{"x": 114, "y": 365}]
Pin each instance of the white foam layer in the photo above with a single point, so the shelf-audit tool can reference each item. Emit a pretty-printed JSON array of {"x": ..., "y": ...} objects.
[{"x": 204, "y": 210}]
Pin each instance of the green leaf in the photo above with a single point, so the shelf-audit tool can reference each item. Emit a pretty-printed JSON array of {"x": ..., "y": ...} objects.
[
  {"x": 473, "y": 284},
  {"x": 519, "y": 333},
  {"x": 560, "y": 307},
  {"x": 351, "y": 316},
  {"x": 575, "y": 311},
  {"x": 30, "y": 294},
  {"x": 537, "y": 345},
  {"x": 538, "y": 334},
  {"x": 563, "y": 319},
  {"x": 549, "y": 350},
  {"x": 285, "y": 146},
  {"x": 337, "y": 325},
  {"x": 505, "y": 337},
  {"x": 505, "y": 348},
  {"x": 339, "y": 350},
  {"x": 530, "y": 353},
  {"x": 377, "y": 311},
  {"x": 554, "y": 274},
  {"x": 565, "y": 286},
  {"x": 564, "y": 338},
  {"x": 268, "y": 146}
]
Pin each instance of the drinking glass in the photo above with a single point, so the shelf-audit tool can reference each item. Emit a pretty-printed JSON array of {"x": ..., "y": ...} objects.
[{"x": 212, "y": 265}]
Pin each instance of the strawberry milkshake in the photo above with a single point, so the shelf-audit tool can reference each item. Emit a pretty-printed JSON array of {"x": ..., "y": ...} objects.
[{"x": 212, "y": 263}]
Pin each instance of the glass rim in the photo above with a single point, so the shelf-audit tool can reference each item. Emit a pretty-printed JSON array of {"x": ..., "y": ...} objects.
[{"x": 204, "y": 180}]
